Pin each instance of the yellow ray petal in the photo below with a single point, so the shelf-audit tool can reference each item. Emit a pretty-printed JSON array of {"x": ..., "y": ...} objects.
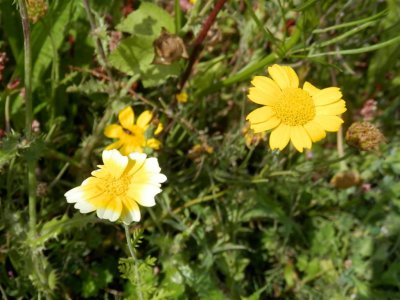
[
  {"x": 144, "y": 119},
  {"x": 153, "y": 143},
  {"x": 115, "y": 145},
  {"x": 112, "y": 211},
  {"x": 127, "y": 117},
  {"x": 284, "y": 76},
  {"x": 329, "y": 123},
  {"x": 265, "y": 91},
  {"x": 332, "y": 109},
  {"x": 260, "y": 115},
  {"x": 270, "y": 124},
  {"x": 130, "y": 211},
  {"x": 327, "y": 96},
  {"x": 143, "y": 193},
  {"x": 139, "y": 160},
  {"x": 279, "y": 137},
  {"x": 299, "y": 137},
  {"x": 113, "y": 131},
  {"x": 114, "y": 162},
  {"x": 159, "y": 129},
  {"x": 315, "y": 131},
  {"x": 308, "y": 87}
]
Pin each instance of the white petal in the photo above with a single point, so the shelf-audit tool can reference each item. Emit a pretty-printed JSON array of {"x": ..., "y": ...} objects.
[{"x": 115, "y": 162}]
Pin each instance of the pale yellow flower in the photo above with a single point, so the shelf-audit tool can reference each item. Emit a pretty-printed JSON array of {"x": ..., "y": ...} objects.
[
  {"x": 299, "y": 115},
  {"x": 117, "y": 187},
  {"x": 131, "y": 135}
]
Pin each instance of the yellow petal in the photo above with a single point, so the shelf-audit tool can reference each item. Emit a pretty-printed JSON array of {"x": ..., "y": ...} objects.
[
  {"x": 112, "y": 211},
  {"x": 153, "y": 143},
  {"x": 299, "y": 137},
  {"x": 144, "y": 119},
  {"x": 144, "y": 193},
  {"x": 139, "y": 160},
  {"x": 127, "y": 149},
  {"x": 279, "y": 137},
  {"x": 126, "y": 117},
  {"x": 329, "y": 123},
  {"x": 265, "y": 91},
  {"x": 260, "y": 115},
  {"x": 332, "y": 109},
  {"x": 159, "y": 129},
  {"x": 115, "y": 145},
  {"x": 130, "y": 211},
  {"x": 327, "y": 96},
  {"x": 114, "y": 162},
  {"x": 284, "y": 76},
  {"x": 315, "y": 131},
  {"x": 113, "y": 131},
  {"x": 308, "y": 87},
  {"x": 271, "y": 123}
]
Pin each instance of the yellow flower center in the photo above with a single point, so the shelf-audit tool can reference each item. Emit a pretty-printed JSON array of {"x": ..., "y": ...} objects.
[
  {"x": 117, "y": 186},
  {"x": 295, "y": 107}
]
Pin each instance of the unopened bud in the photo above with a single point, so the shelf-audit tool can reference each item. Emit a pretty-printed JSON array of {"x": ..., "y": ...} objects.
[
  {"x": 168, "y": 48},
  {"x": 346, "y": 179},
  {"x": 364, "y": 136}
]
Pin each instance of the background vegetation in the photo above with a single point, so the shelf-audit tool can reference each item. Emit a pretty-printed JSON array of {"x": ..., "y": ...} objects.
[{"x": 234, "y": 220}]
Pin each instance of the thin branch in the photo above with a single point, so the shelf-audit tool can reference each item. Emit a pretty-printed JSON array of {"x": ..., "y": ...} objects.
[{"x": 197, "y": 44}]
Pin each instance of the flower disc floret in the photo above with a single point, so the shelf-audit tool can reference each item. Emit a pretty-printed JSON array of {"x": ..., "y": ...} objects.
[{"x": 295, "y": 107}]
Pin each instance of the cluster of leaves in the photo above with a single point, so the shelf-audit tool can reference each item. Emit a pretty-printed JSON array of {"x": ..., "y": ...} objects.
[{"x": 234, "y": 221}]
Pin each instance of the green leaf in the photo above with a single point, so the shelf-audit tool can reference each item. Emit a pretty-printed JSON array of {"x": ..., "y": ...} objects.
[
  {"x": 147, "y": 20},
  {"x": 134, "y": 56},
  {"x": 47, "y": 35},
  {"x": 8, "y": 148}
]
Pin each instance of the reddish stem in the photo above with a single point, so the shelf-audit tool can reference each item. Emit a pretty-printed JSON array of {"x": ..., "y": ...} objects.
[{"x": 197, "y": 44}]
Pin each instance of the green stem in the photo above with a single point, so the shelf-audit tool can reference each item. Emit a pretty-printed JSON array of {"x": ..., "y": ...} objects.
[
  {"x": 135, "y": 263},
  {"x": 7, "y": 113},
  {"x": 28, "y": 113},
  {"x": 178, "y": 16}
]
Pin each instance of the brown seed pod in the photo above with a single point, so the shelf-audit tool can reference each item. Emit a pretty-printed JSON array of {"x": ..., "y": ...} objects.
[
  {"x": 168, "y": 48},
  {"x": 364, "y": 136}
]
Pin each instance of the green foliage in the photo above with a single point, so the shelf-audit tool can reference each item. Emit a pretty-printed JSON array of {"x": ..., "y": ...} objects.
[{"x": 234, "y": 221}]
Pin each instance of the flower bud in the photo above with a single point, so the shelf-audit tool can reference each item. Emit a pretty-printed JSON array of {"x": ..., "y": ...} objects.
[{"x": 364, "y": 136}]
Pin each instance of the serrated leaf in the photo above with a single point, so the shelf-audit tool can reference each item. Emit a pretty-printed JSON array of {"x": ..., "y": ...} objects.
[{"x": 8, "y": 148}]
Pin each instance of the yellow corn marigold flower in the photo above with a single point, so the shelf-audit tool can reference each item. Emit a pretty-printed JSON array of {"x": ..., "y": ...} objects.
[
  {"x": 131, "y": 135},
  {"x": 182, "y": 97},
  {"x": 300, "y": 115},
  {"x": 117, "y": 187}
]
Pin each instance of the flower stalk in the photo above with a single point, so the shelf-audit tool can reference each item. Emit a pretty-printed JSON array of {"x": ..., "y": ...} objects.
[
  {"x": 28, "y": 113},
  {"x": 135, "y": 262}
]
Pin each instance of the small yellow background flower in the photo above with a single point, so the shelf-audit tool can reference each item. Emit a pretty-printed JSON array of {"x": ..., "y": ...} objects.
[
  {"x": 299, "y": 115},
  {"x": 115, "y": 190},
  {"x": 131, "y": 135}
]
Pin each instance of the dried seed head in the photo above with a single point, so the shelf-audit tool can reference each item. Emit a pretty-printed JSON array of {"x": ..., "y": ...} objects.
[
  {"x": 364, "y": 136},
  {"x": 346, "y": 179},
  {"x": 168, "y": 48},
  {"x": 42, "y": 189},
  {"x": 36, "y": 9}
]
